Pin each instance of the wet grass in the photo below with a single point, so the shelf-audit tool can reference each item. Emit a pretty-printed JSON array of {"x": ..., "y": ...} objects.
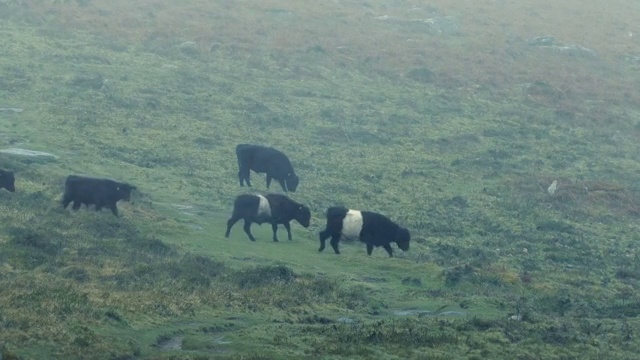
[{"x": 459, "y": 143}]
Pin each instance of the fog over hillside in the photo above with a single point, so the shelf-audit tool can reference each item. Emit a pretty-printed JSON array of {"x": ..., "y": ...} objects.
[{"x": 503, "y": 135}]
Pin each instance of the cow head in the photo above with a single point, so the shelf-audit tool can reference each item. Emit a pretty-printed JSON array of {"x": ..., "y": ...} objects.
[
  {"x": 7, "y": 180},
  {"x": 124, "y": 191},
  {"x": 402, "y": 239},
  {"x": 292, "y": 182},
  {"x": 303, "y": 215}
]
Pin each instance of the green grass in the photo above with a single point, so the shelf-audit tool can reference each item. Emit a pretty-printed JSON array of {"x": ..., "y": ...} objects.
[{"x": 456, "y": 137}]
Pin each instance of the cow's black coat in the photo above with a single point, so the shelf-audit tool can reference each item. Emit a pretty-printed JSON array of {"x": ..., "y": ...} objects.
[
  {"x": 263, "y": 159},
  {"x": 95, "y": 191},
  {"x": 375, "y": 230},
  {"x": 281, "y": 210},
  {"x": 7, "y": 180}
]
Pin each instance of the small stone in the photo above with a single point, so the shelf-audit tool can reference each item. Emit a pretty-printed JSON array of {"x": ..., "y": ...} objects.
[
  {"x": 552, "y": 188},
  {"x": 11, "y": 110}
]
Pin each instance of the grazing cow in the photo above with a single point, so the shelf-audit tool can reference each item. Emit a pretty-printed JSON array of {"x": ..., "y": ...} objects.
[
  {"x": 262, "y": 159},
  {"x": 7, "y": 180},
  {"x": 271, "y": 208},
  {"x": 99, "y": 192},
  {"x": 371, "y": 228}
]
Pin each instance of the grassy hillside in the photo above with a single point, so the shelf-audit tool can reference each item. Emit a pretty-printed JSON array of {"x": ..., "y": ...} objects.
[{"x": 453, "y": 120}]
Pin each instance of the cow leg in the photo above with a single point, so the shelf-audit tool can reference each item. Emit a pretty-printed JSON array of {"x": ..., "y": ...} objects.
[
  {"x": 114, "y": 209},
  {"x": 334, "y": 243},
  {"x": 66, "y": 201},
  {"x": 232, "y": 221},
  {"x": 324, "y": 235},
  {"x": 268, "y": 180},
  {"x": 247, "y": 229},
  {"x": 240, "y": 178},
  {"x": 274, "y": 226},
  {"x": 389, "y": 249},
  {"x": 243, "y": 176},
  {"x": 76, "y": 205},
  {"x": 288, "y": 227},
  {"x": 369, "y": 249},
  {"x": 284, "y": 187}
]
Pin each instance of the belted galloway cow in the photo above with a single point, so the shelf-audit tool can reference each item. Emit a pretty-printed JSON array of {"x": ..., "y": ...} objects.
[
  {"x": 271, "y": 208},
  {"x": 369, "y": 227}
]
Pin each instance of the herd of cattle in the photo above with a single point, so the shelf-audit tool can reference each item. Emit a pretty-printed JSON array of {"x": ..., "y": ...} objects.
[{"x": 373, "y": 229}]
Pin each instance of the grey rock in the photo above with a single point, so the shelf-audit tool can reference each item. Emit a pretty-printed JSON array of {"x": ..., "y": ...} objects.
[
  {"x": 346, "y": 320},
  {"x": 452, "y": 313},
  {"x": 441, "y": 25},
  {"x": 413, "y": 312},
  {"x": 11, "y": 110},
  {"x": 542, "y": 41},
  {"x": 551, "y": 43},
  {"x": 174, "y": 343},
  {"x": 422, "y": 313},
  {"x": 189, "y": 48},
  {"x": 25, "y": 152}
]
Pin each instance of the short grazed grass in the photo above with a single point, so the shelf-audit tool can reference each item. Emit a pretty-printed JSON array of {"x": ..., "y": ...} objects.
[{"x": 456, "y": 134}]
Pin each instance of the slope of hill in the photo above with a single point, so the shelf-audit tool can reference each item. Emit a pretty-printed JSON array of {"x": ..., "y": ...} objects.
[{"x": 452, "y": 120}]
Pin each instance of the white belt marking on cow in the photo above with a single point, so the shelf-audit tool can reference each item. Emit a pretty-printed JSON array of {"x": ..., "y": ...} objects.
[
  {"x": 264, "y": 209},
  {"x": 352, "y": 225}
]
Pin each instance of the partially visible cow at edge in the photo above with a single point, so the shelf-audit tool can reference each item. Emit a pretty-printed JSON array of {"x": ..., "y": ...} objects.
[
  {"x": 95, "y": 191},
  {"x": 263, "y": 159},
  {"x": 7, "y": 180},
  {"x": 369, "y": 227},
  {"x": 271, "y": 208}
]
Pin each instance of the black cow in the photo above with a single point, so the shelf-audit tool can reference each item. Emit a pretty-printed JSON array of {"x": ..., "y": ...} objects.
[
  {"x": 369, "y": 227},
  {"x": 7, "y": 180},
  {"x": 95, "y": 191},
  {"x": 262, "y": 159},
  {"x": 271, "y": 208}
]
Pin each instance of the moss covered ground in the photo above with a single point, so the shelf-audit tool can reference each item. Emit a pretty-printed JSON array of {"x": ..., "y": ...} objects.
[{"x": 455, "y": 127}]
